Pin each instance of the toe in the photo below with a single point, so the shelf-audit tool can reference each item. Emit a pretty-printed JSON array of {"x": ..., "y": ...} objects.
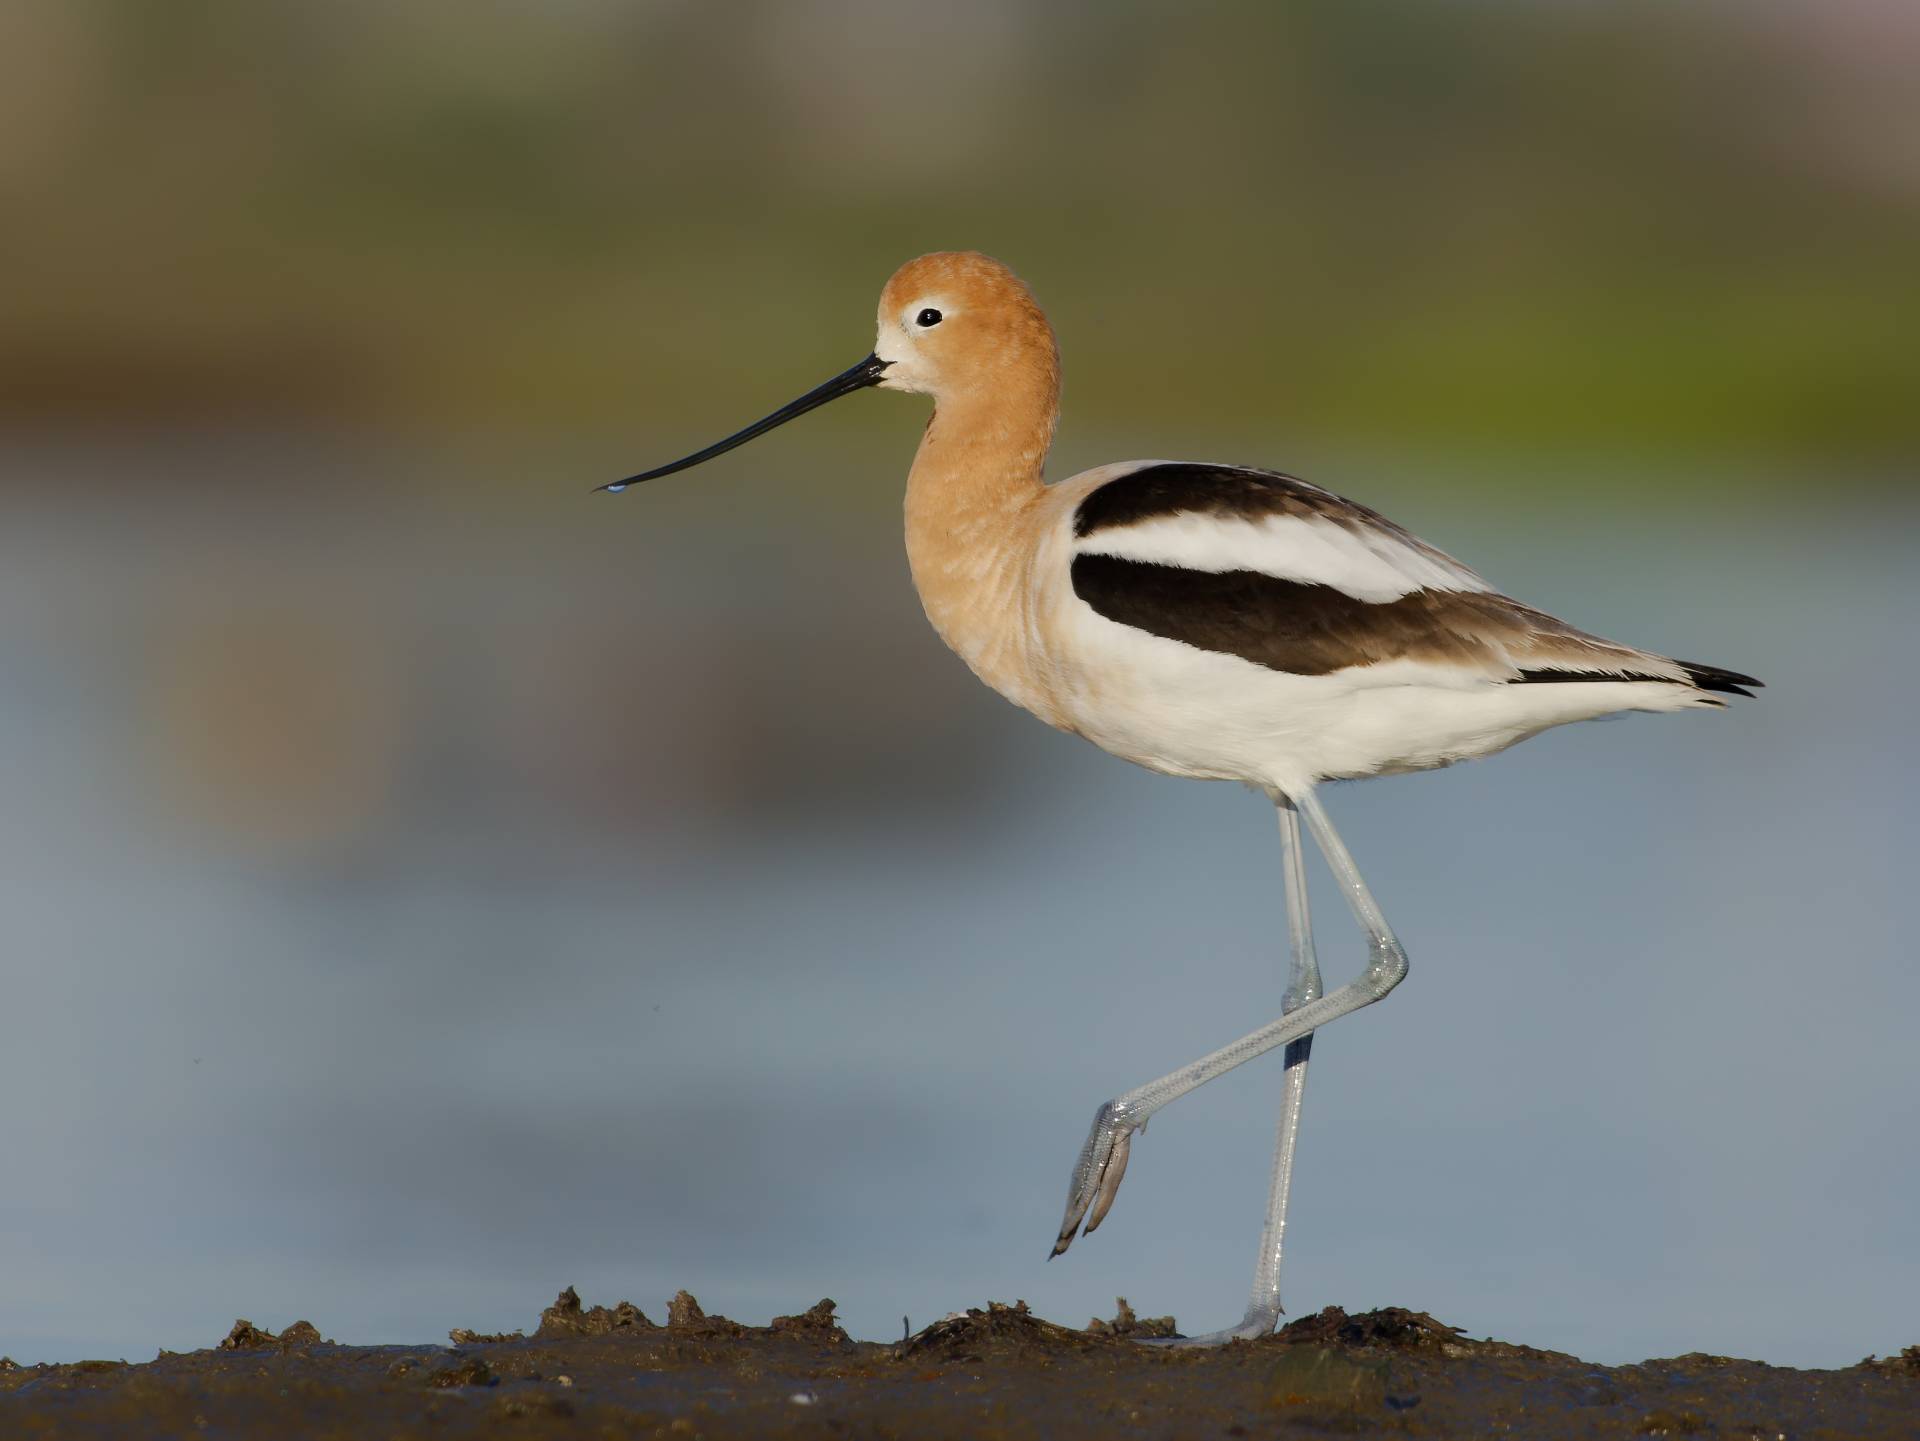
[{"x": 1111, "y": 1175}]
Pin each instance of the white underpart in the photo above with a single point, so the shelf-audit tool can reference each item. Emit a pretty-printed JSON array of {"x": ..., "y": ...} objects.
[
  {"x": 1365, "y": 561},
  {"x": 1190, "y": 712}
]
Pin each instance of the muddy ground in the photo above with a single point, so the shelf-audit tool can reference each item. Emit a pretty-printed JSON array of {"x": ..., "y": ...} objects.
[{"x": 613, "y": 1372}]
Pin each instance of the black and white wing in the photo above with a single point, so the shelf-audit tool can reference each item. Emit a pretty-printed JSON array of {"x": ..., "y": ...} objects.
[{"x": 1285, "y": 575}]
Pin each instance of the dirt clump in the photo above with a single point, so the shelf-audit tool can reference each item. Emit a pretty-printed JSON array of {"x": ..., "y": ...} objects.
[
  {"x": 684, "y": 1314},
  {"x": 1703, "y": 1361},
  {"x": 1000, "y": 1330},
  {"x": 1125, "y": 1323},
  {"x": 818, "y": 1320},
  {"x": 566, "y": 1317},
  {"x": 1393, "y": 1327},
  {"x": 1907, "y": 1363},
  {"x": 461, "y": 1336},
  {"x": 245, "y": 1336}
]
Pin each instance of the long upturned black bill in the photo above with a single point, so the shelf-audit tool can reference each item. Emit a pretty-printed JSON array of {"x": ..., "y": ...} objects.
[{"x": 866, "y": 373}]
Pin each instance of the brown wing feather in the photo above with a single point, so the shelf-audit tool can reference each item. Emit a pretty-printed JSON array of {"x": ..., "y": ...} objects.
[{"x": 1308, "y": 629}]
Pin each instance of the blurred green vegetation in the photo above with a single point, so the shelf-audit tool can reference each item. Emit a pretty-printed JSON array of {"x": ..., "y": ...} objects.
[{"x": 1544, "y": 227}]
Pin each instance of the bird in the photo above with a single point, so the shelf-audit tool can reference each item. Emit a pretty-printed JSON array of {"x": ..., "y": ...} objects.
[{"x": 1211, "y": 621}]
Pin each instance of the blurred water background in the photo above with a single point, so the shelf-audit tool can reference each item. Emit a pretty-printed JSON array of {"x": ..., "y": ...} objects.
[{"x": 423, "y": 885}]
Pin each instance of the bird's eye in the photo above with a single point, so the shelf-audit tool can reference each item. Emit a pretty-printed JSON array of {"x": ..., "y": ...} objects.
[{"x": 927, "y": 318}]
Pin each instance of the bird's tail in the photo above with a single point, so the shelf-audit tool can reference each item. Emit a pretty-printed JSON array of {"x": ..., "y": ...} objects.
[{"x": 1714, "y": 678}]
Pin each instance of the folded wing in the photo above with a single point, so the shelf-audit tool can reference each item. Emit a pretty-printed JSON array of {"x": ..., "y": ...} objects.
[{"x": 1291, "y": 577}]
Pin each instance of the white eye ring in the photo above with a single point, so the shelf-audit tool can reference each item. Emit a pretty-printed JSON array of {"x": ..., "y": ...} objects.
[{"x": 928, "y": 318}]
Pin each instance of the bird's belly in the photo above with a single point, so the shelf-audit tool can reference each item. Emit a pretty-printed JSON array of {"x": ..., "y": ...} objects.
[
  {"x": 1184, "y": 711},
  {"x": 1180, "y": 710}
]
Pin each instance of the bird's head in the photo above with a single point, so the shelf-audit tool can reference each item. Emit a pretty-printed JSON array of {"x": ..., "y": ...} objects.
[
  {"x": 959, "y": 323},
  {"x": 956, "y": 325}
]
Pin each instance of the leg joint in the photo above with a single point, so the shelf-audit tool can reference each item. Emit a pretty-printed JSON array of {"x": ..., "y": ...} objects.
[
  {"x": 1386, "y": 966},
  {"x": 1119, "y": 1115}
]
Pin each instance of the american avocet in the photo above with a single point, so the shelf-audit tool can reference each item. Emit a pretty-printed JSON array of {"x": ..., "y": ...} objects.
[{"x": 1212, "y": 621}]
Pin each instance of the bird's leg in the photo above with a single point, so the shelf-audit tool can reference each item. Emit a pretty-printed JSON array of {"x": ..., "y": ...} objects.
[
  {"x": 1303, "y": 985},
  {"x": 1103, "y": 1160}
]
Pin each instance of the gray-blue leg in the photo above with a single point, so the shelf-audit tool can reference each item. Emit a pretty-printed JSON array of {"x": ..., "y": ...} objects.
[
  {"x": 1103, "y": 1160},
  {"x": 1303, "y": 985}
]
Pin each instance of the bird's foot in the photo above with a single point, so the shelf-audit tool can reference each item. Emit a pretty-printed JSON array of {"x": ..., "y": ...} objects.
[
  {"x": 1099, "y": 1171},
  {"x": 1257, "y": 1324}
]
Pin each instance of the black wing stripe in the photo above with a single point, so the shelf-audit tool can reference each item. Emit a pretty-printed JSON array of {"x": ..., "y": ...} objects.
[
  {"x": 1284, "y": 625},
  {"x": 1228, "y": 491},
  {"x": 1702, "y": 677},
  {"x": 1305, "y": 629},
  {"x": 1549, "y": 676}
]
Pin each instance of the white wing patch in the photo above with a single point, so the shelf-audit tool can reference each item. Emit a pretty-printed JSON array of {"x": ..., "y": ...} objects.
[{"x": 1363, "y": 560}]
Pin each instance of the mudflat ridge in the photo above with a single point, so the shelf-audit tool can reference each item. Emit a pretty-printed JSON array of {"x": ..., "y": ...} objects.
[{"x": 997, "y": 1371}]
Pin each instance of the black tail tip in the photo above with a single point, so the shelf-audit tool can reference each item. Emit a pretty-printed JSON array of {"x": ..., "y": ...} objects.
[{"x": 1714, "y": 678}]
